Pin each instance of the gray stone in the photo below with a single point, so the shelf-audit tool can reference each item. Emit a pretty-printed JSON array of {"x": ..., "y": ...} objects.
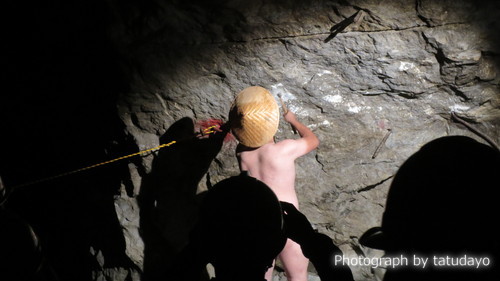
[{"x": 405, "y": 67}]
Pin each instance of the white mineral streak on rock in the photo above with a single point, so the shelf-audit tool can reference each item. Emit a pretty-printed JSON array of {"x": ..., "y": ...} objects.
[
  {"x": 353, "y": 108},
  {"x": 324, "y": 123},
  {"x": 324, "y": 72},
  {"x": 279, "y": 89},
  {"x": 298, "y": 110},
  {"x": 333, "y": 98},
  {"x": 404, "y": 66},
  {"x": 459, "y": 108},
  {"x": 312, "y": 126}
]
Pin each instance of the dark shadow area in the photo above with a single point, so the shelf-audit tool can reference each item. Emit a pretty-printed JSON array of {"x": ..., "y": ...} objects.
[
  {"x": 442, "y": 203},
  {"x": 239, "y": 231},
  {"x": 21, "y": 255},
  {"x": 62, "y": 77},
  {"x": 168, "y": 199},
  {"x": 63, "y": 70},
  {"x": 341, "y": 26}
]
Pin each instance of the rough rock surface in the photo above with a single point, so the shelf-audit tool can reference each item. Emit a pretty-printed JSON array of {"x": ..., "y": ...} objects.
[{"x": 405, "y": 66}]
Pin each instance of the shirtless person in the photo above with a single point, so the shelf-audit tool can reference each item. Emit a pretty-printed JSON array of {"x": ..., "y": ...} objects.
[{"x": 274, "y": 164}]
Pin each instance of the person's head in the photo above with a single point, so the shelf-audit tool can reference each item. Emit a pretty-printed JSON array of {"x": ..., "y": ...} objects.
[
  {"x": 254, "y": 117},
  {"x": 441, "y": 202},
  {"x": 240, "y": 228}
]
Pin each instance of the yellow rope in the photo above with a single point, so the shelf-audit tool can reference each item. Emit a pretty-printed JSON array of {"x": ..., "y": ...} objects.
[{"x": 206, "y": 131}]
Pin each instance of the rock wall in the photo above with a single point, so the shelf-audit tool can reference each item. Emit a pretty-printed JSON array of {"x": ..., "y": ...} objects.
[{"x": 402, "y": 66}]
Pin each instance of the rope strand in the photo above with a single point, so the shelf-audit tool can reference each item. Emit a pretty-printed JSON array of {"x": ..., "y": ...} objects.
[{"x": 207, "y": 131}]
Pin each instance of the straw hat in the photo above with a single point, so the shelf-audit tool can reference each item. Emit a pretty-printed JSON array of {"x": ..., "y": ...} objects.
[{"x": 254, "y": 116}]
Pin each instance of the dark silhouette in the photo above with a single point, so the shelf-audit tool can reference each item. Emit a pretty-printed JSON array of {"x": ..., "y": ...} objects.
[
  {"x": 317, "y": 247},
  {"x": 168, "y": 198},
  {"x": 21, "y": 256},
  {"x": 64, "y": 80},
  {"x": 441, "y": 203},
  {"x": 239, "y": 232},
  {"x": 242, "y": 228},
  {"x": 339, "y": 27}
]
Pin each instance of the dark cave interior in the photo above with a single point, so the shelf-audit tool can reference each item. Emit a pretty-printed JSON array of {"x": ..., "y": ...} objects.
[{"x": 65, "y": 70}]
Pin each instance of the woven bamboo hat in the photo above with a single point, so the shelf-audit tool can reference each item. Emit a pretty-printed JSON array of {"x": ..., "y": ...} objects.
[{"x": 254, "y": 116}]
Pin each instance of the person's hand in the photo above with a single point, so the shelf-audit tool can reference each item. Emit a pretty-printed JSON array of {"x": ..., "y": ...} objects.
[
  {"x": 297, "y": 226},
  {"x": 211, "y": 128},
  {"x": 289, "y": 117}
]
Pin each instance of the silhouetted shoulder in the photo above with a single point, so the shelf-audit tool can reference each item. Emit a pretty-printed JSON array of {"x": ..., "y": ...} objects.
[{"x": 439, "y": 205}]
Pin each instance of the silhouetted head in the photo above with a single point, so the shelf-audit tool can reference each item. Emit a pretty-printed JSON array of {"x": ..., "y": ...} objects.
[
  {"x": 240, "y": 228},
  {"x": 180, "y": 129},
  {"x": 442, "y": 202}
]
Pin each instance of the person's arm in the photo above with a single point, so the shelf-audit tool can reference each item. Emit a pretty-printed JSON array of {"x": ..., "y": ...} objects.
[
  {"x": 308, "y": 140},
  {"x": 317, "y": 247}
]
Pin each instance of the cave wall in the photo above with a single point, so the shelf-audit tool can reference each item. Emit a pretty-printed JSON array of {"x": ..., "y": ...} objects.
[
  {"x": 405, "y": 66},
  {"x": 172, "y": 66}
]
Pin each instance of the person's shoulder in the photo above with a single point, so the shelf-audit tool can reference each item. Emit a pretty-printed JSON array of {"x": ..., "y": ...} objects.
[
  {"x": 284, "y": 144},
  {"x": 295, "y": 147},
  {"x": 280, "y": 148}
]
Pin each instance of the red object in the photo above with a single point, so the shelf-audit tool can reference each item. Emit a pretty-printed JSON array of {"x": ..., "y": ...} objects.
[{"x": 203, "y": 125}]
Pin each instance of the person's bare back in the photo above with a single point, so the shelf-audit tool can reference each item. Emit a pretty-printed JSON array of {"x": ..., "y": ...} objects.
[
  {"x": 274, "y": 164},
  {"x": 271, "y": 165}
]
